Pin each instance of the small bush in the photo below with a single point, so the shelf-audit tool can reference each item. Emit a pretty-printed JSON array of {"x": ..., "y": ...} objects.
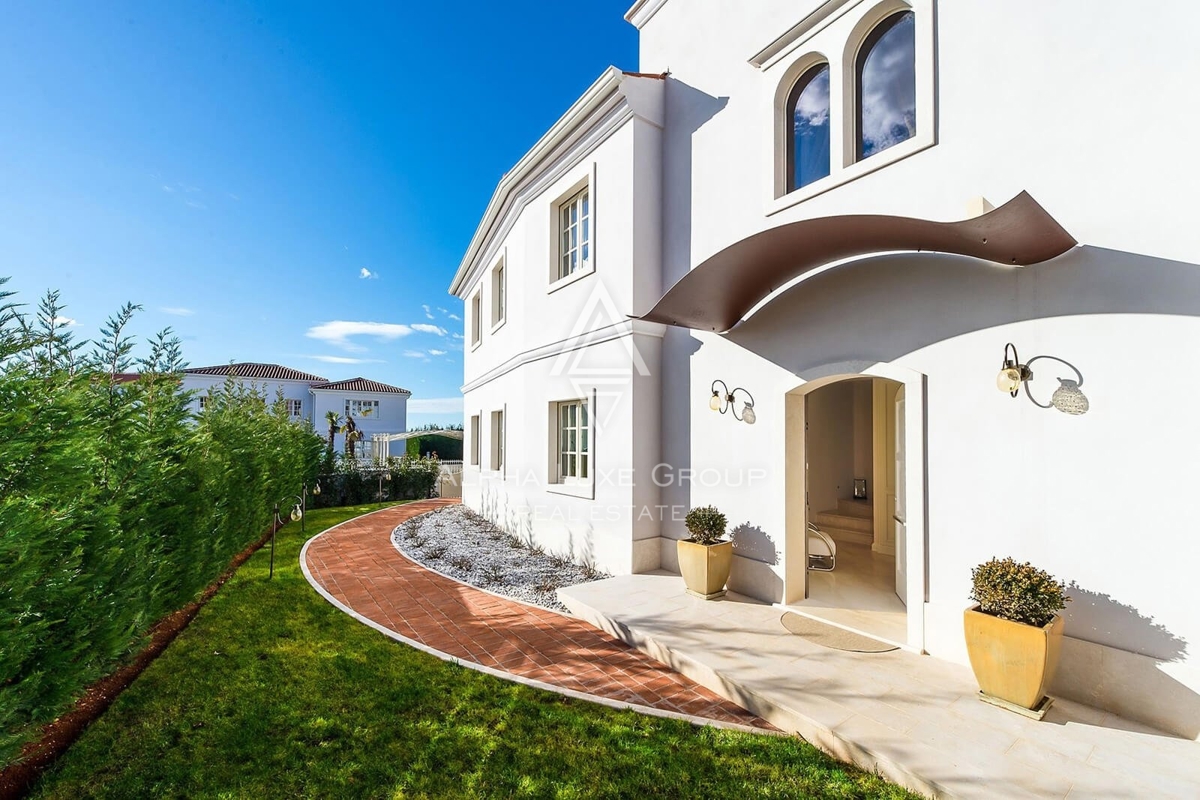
[
  {"x": 1017, "y": 592},
  {"x": 706, "y": 524}
]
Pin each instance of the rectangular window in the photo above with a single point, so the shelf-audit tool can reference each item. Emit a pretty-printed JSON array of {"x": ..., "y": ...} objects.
[
  {"x": 573, "y": 445},
  {"x": 575, "y": 235},
  {"x": 498, "y": 291},
  {"x": 295, "y": 408},
  {"x": 497, "y": 460},
  {"x": 476, "y": 319},
  {"x": 475, "y": 440},
  {"x": 203, "y": 402},
  {"x": 362, "y": 408}
]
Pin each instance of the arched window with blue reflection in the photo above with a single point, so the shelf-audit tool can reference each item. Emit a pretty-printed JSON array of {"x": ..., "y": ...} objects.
[
  {"x": 808, "y": 144},
  {"x": 886, "y": 84}
]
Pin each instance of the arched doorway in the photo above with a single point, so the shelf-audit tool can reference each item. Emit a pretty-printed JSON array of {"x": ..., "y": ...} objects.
[{"x": 864, "y": 428}]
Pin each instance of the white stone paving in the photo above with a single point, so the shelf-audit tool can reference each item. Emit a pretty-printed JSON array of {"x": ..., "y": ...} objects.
[{"x": 915, "y": 719}]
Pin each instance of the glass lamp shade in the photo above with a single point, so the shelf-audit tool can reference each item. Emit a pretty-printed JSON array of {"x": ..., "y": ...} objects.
[
  {"x": 1069, "y": 398},
  {"x": 748, "y": 414},
  {"x": 1009, "y": 380},
  {"x": 316, "y": 489},
  {"x": 715, "y": 402},
  {"x": 296, "y": 513}
]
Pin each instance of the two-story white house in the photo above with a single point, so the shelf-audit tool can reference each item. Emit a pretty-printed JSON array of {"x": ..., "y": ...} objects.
[
  {"x": 377, "y": 408},
  {"x": 782, "y": 279}
]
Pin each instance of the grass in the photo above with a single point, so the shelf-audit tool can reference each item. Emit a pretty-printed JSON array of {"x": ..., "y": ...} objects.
[{"x": 272, "y": 692}]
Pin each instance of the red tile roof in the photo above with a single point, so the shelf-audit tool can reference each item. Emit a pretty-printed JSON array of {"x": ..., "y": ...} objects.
[
  {"x": 268, "y": 372},
  {"x": 361, "y": 385}
]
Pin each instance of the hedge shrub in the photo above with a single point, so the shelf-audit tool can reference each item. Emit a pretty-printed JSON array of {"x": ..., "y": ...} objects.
[
  {"x": 117, "y": 506},
  {"x": 350, "y": 483}
]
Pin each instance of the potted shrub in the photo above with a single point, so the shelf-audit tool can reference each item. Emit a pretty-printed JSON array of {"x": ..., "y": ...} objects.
[
  {"x": 706, "y": 557},
  {"x": 1014, "y": 633}
]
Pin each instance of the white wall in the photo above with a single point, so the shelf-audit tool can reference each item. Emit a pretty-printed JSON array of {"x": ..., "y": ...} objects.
[
  {"x": 574, "y": 339},
  {"x": 1027, "y": 98},
  {"x": 392, "y": 417},
  {"x": 292, "y": 390}
]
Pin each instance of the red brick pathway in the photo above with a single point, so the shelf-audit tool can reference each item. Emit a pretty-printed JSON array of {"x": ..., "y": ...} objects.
[{"x": 357, "y": 564}]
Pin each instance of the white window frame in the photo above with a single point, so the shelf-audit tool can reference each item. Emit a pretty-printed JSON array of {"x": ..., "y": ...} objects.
[
  {"x": 477, "y": 318},
  {"x": 577, "y": 484},
  {"x": 352, "y": 406},
  {"x": 295, "y": 408},
  {"x": 837, "y": 40},
  {"x": 474, "y": 454},
  {"x": 575, "y": 233},
  {"x": 499, "y": 294},
  {"x": 581, "y": 187},
  {"x": 497, "y": 439},
  {"x": 202, "y": 402}
]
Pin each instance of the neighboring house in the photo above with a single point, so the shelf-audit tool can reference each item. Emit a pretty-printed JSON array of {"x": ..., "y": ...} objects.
[
  {"x": 769, "y": 221},
  {"x": 377, "y": 408}
]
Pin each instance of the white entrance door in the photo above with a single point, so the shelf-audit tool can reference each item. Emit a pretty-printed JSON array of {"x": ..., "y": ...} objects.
[{"x": 898, "y": 516}]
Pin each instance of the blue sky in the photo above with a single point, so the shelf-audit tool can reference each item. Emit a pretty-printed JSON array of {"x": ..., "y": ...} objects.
[{"x": 237, "y": 168}]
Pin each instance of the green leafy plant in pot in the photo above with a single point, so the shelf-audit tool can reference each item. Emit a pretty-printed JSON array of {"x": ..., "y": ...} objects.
[
  {"x": 706, "y": 558},
  {"x": 1014, "y": 633}
]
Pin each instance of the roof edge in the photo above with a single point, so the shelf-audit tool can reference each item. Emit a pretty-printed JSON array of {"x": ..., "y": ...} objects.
[
  {"x": 607, "y": 87},
  {"x": 642, "y": 11}
]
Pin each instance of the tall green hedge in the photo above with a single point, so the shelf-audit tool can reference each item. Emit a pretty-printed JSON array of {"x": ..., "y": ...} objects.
[
  {"x": 445, "y": 448},
  {"x": 117, "y": 506}
]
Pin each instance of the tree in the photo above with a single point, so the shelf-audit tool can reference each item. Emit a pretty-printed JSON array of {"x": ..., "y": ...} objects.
[
  {"x": 335, "y": 424},
  {"x": 353, "y": 435}
]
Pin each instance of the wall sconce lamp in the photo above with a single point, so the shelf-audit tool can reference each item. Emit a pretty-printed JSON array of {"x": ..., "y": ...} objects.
[
  {"x": 1067, "y": 398},
  {"x": 1012, "y": 372},
  {"x": 724, "y": 400}
]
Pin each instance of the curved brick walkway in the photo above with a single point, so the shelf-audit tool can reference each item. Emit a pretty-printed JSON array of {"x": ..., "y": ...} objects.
[{"x": 357, "y": 564}]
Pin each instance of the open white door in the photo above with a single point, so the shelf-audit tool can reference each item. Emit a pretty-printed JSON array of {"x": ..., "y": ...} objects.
[{"x": 898, "y": 516}]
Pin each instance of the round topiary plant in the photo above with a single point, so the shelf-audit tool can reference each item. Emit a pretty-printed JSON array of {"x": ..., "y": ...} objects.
[
  {"x": 706, "y": 525},
  {"x": 1017, "y": 592}
]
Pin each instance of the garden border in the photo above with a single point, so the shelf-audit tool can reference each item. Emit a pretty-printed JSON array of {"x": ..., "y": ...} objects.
[
  {"x": 19, "y": 777},
  {"x": 619, "y": 705}
]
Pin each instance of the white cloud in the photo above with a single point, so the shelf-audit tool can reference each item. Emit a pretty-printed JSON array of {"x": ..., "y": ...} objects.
[
  {"x": 426, "y": 328},
  {"x": 177, "y": 311},
  {"x": 436, "y": 405},
  {"x": 414, "y": 354},
  {"x": 444, "y": 311},
  {"x": 338, "y": 332},
  {"x": 428, "y": 313},
  {"x": 455, "y": 317},
  {"x": 194, "y": 204},
  {"x": 345, "y": 360},
  {"x": 366, "y": 274},
  {"x": 66, "y": 322},
  {"x": 437, "y": 352},
  {"x": 456, "y": 335},
  {"x": 166, "y": 188}
]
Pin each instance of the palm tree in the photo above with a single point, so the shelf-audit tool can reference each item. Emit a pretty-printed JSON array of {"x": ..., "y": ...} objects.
[
  {"x": 353, "y": 435},
  {"x": 335, "y": 424}
]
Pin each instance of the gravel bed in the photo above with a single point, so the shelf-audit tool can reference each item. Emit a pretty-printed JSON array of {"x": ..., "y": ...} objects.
[{"x": 458, "y": 542}]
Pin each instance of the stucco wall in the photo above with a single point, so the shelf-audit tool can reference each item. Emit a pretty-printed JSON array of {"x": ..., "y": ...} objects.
[{"x": 1021, "y": 92}]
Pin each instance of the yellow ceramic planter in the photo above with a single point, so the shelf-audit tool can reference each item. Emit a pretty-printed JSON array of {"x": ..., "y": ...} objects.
[
  {"x": 705, "y": 567},
  {"x": 1012, "y": 661}
]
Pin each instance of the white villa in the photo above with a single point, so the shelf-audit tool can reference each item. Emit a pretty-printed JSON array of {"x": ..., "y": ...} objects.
[
  {"x": 777, "y": 270},
  {"x": 379, "y": 410}
]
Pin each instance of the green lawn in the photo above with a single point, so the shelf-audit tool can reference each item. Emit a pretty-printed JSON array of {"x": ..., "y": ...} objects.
[{"x": 272, "y": 692}]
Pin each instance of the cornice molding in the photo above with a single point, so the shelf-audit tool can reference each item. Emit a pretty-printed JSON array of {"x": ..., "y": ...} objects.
[
  {"x": 817, "y": 19},
  {"x": 612, "y": 100},
  {"x": 618, "y": 330},
  {"x": 642, "y": 11}
]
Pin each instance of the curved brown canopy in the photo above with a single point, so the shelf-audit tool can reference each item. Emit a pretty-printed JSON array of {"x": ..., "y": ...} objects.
[{"x": 719, "y": 292}]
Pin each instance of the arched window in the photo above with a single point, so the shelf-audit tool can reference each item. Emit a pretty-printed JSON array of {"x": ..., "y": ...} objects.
[
  {"x": 808, "y": 142},
  {"x": 886, "y": 85}
]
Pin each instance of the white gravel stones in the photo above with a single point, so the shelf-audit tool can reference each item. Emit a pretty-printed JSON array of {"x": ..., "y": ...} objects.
[{"x": 458, "y": 542}]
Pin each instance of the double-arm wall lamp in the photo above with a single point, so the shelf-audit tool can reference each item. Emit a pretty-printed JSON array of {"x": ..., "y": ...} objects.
[
  {"x": 1067, "y": 398},
  {"x": 725, "y": 400}
]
